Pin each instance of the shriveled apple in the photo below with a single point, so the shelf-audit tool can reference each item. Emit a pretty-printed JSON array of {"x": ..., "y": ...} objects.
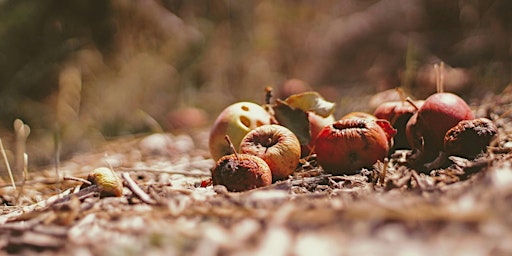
[
  {"x": 241, "y": 172},
  {"x": 276, "y": 145}
]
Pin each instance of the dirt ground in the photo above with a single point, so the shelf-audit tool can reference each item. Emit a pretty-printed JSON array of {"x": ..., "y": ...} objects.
[{"x": 168, "y": 206}]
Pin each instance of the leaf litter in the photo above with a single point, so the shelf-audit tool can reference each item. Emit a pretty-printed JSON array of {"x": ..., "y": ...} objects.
[{"x": 169, "y": 206}]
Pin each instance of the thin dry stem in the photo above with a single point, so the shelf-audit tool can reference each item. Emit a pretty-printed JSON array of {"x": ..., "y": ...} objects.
[
  {"x": 56, "y": 150},
  {"x": 231, "y": 147},
  {"x": 132, "y": 185},
  {"x": 77, "y": 179},
  {"x": 504, "y": 114},
  {"x": 21, "y": 131},
  {"x": 436, "y": 75},
  {"x": 4, "y": 155},
  {"x": 25, "y": 177},
  {"x": 410, "y": 101},
  {"x": 268, "y": 94},
  {"x": 439, "y": 74},
  {"x": 441, "y": 77}
]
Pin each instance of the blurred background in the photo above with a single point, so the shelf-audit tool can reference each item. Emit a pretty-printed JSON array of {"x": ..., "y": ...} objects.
[{"x": 86, "y": 71}]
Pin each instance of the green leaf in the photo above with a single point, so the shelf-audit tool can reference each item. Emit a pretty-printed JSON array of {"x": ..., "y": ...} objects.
[{"x": 311, "y": 101}]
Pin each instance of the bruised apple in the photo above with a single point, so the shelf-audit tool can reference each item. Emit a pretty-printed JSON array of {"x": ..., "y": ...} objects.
[{"x": 235, "y": 121}]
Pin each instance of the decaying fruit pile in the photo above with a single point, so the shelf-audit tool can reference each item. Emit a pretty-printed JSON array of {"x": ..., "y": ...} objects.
[
  {"x": 434, "y": 129},
  {"x": 415, "y": 177}
]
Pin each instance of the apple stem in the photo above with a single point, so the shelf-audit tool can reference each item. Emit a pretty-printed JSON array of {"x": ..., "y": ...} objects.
[
  {"x": 409, "y": 100},
  {"x": 268, "y": 94},
  {"x": 441, "y": 77},
  {"x": 231, "y": 147},
  {"x": 439, "y": 73}
]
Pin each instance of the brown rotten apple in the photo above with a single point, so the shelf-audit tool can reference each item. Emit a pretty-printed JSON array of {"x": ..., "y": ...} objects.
[
  {"x": 235, "y": 121},
  {"x": 470, "y": 137},
  {"x": 241, "y": 172},
  {"x": 276, "y": 145},
  {"x": 348, "y": 145}
]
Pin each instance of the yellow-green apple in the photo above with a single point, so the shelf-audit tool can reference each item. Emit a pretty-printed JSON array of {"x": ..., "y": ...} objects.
[{"x": 235, "y": 121}]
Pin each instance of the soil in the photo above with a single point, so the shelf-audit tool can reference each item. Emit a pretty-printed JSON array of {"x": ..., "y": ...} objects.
[{"x": 169, "y": 206}]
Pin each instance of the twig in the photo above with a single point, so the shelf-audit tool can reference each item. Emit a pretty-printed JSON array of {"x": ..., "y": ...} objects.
[
  {"x": 56, "y": 149},
  {"x": 77, "y": 179},
  {"x": 82, "y": 194},
  {"x": 25, "y": 177},
  {"x": 7, "y": 164},
  {"x": 132, "y": 185}
]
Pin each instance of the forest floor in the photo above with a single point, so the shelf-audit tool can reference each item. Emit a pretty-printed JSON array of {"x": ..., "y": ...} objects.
[{"x": 460, "y": 210}]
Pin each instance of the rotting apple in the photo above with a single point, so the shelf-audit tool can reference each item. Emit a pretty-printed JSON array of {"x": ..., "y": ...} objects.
[
  {"x": 235, "y": 121},
  {"x": 398, "y": 114},
  {"x": 348, "y": 145},
  {"x": 241, "y": 172},
  {"x": 276, "y": 145},
  {"x": 470, "y": 137},
  {"x": 427, "y": 128}
]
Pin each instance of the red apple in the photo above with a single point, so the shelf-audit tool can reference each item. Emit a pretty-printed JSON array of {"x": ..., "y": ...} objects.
[
  {"x": 276, "y": 145},
  {"x": 426, "y": 129},
  {"x": 348, "y": 145},
  {"x": 235, "y": 121}
]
